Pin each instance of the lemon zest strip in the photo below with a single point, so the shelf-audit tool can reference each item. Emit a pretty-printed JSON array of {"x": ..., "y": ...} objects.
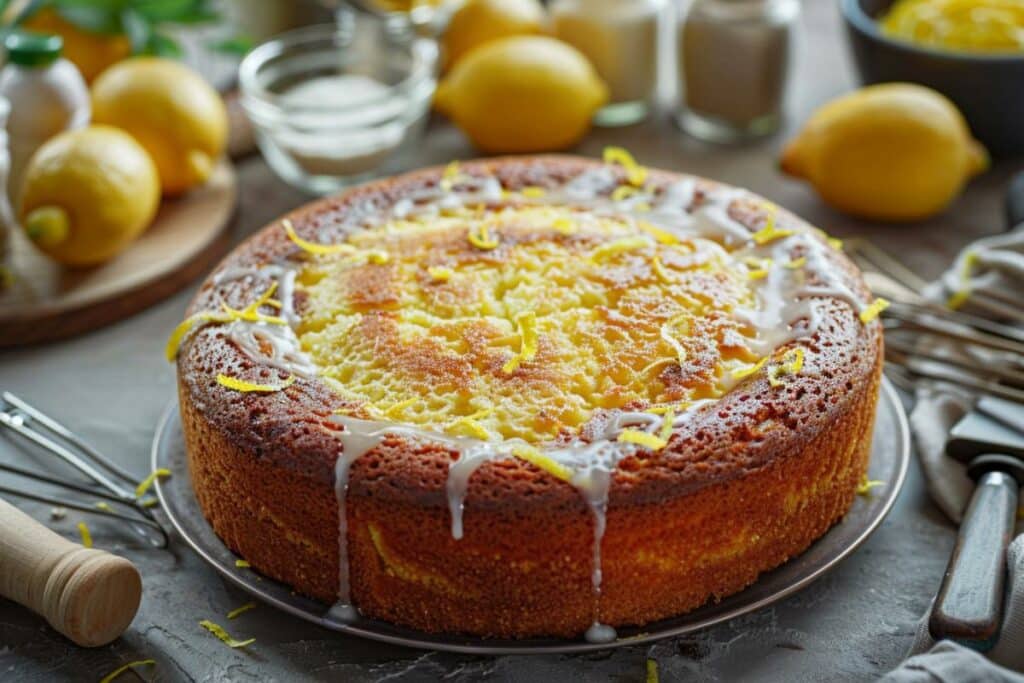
[
  {"x": 769, "y": 233},
  {"x": 481, "y": 238},
  {"x": 623, "y": 192},
  {"x": 451, "y": 176},
  {"x": 186, "y": 326},
  {"x": 130, "y": 665},
  {"x": 440, "y": 273},
  {"x": 609, "y": 249},
  {"x": 238, "y": 611},
  {"x": 796, "y": 263},
  {"x": 527, "y": 324},
  {"x": 104, "y": 505},
  {"x": 541, "y": 461},
  {"x": 662, "y": 410},
  {"x": 642, "y": 438},
  {"x": 469, "y": 423},
  {"x": 959, "y": 297},
  {"x": 666, "y": 334},
  {"x": 242, "y": 564},
  {"x": 873, "y": 310},
  {"x": 749, "y": 370},
  {"x": 533, "y": 192},
  {"x": 378, "y": 257},
  {"x": 635, "y": 173},
  {"x": 83, "y": 529},
  {"x": 865, "y": 486},
  {"x": 667, "y": 425},
  {"x": 662, "y": 236},
  {"x": 652, "y": 671},
  {"x": 792, "y": 364},
  {"x": 564, "y": 225},
  {"x": 313, "y": 247},
  {"x": 241, "y": 385},
  {"x": 660, "y": 271},
  {"x": 396, "y": 409},
  {"x": 147, "y": 483},
  {"x": 223, "y": 635}
]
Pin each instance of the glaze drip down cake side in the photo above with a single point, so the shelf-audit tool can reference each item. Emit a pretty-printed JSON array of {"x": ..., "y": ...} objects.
[{"x": 537, "y": 396}]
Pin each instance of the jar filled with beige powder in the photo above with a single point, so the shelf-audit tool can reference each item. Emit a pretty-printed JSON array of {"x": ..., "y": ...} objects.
[
  {"x": 620, "y": 38},
  {"x": 734, "y": 63}
]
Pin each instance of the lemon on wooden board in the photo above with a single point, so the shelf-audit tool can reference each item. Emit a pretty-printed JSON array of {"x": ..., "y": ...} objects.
[
  {"x": 91, "y": 52},
  {"x": 175, "y": 114},
  {"x": 87, "y": 194},
  {"x": 892, "y": 152},
  {"x": 483, "y": 21},
  {"x": 522, "y": 94}
]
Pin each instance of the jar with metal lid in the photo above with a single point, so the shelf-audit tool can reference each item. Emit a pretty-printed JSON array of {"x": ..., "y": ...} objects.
[
  {"x": 620, "y": 38},
  {"x": 734, "y": 63}
]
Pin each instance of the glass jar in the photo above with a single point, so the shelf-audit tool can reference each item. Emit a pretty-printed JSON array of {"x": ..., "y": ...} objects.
[
  {"x": 734, "y": 62},
  {"x": 335, "y": 105},
  {"x": 620, "y": 38}
]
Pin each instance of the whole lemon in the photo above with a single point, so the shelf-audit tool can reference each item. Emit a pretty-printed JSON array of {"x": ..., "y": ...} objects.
[
  {"x": 894, "y": 152},
  {"x": 175, "y": 114},
  {"x": 481, "y": 21},
  {"x": 90, "y": 52},
  {"x": 87, "y": 194},
  {"x": 522, "y": 94}
]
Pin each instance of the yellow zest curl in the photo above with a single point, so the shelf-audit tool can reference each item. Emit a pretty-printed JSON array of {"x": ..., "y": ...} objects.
[
  {"x": 770, "y": 233},
  {"x": 873, "y": 310},
  {"x": 792, "y": 364},
  {"x": 235, "y": 613},
  {"x": 480, "y": 237},
  {"x": 533, "y": 192},
  {"x": 147, "y": 483},
  {"x": 541, "y": 461},
  {"x": 666, "y": 334},
  {"x": 865, "y": 486},
  {"x": 610, "y": 249},
  {"x": 527, "y": 325},
  {"x": 241, "y": 385},
  {"x": 187, "y": 325},
  {"x": 635, "y": 173},
  {"x": 959, "y": 297},
  {"x": 395, "y": 410},
  {"x": 83, "y": 530},
  {"x": 642, "y": 438},
  {"x": 564, "y": 226},
  {"x": 623, "y": 192},
  {"x": 750, "y": 370},
  {"x": 667, "y": 425},
  {"x": 662, "y": 236},
  {"x": 242, "y": 564},
  {"x": 312, "y": 247},
  {"x": 122, "y": 669},
  {"x": 440, "y": 273},
  {"x": 223, "y": 635},
  {"x": 469, "y": 425},
  {"x": 451, "y": 176}
]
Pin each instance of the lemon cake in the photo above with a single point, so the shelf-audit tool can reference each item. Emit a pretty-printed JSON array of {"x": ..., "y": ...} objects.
[{"x": 536, "y": 396}]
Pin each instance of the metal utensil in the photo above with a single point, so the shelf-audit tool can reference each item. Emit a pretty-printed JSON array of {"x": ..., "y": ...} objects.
[{"x": 969, "y": 605}]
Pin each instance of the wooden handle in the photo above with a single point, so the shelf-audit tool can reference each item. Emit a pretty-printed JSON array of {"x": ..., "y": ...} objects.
[
  {"x": 969, "y": 606},
  {"x": 88, "y": 595}
]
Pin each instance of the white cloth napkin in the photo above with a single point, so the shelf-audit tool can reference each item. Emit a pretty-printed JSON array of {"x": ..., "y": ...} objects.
[{"x": 993, "y": 266}]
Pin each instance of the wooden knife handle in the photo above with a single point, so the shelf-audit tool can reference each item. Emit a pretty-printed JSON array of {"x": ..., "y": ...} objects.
[
  {"x": 969, "y": 606},
  {"x": 88, "y": 595}
]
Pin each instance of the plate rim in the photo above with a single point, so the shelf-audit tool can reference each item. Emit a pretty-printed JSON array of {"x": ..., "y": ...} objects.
[{"x": 481, "y": 646}]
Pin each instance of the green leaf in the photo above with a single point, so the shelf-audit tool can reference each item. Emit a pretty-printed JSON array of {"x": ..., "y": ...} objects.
[
  {"x": 237, "y": 45},
  {"x": 176, "y": 11},
  {"x": 163, "y": 46}
]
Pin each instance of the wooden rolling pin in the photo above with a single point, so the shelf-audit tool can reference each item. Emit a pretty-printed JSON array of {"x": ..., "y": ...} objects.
[{"x": 88, "y": 595}]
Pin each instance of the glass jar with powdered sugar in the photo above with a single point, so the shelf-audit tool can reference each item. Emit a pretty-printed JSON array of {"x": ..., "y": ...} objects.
[
  {"x": 620, "y": 38},
  {"x": 734, "y": 62}
]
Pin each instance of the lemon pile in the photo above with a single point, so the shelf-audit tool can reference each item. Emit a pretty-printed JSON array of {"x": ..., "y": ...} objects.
[
  {"x": 510, "y": 88},
  {"x": 465, "y": 323},
  {"x": 158, "y": 128}
]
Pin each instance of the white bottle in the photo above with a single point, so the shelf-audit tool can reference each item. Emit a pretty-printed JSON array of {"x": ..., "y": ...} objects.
[
  {"x": 620, "y": 38},
  {"x": 48, "y": 96}
]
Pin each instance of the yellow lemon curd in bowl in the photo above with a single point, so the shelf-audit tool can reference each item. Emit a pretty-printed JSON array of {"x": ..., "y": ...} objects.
[
  {"x": 991, "y": 26},
  {"x": 465, "y": 323}
]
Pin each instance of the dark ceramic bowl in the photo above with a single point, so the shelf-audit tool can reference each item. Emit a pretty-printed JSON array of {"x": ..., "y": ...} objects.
[{"x": 988, "y": 89}]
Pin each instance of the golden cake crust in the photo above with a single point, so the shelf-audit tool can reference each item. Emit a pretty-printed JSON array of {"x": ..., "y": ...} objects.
[{"x": 747, "y": 483}]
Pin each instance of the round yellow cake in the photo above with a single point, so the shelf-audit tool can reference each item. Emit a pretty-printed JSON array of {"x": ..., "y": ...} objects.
[{"x": 538, "y": 396}]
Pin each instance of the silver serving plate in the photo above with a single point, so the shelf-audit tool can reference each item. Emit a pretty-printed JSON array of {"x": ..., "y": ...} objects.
[{"x": 890, "y": 456}]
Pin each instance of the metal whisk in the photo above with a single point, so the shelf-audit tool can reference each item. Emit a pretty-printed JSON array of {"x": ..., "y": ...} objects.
[
  {"x": 113, "y": 485},
  {"x": 927, "y": 341}
]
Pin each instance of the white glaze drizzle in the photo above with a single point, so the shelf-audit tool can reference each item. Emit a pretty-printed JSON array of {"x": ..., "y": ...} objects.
[{"x": 782, "y": 299}]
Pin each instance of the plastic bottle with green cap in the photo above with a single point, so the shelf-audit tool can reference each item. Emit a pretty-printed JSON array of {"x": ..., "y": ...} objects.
[{"x": 47, "y": 96}]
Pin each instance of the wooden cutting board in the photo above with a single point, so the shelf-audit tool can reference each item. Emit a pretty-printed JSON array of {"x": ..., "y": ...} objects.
[{"x": 48, "y": 302}]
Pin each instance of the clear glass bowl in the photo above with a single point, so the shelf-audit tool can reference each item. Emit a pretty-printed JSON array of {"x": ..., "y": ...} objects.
[{"x": 339, "y": 104}]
